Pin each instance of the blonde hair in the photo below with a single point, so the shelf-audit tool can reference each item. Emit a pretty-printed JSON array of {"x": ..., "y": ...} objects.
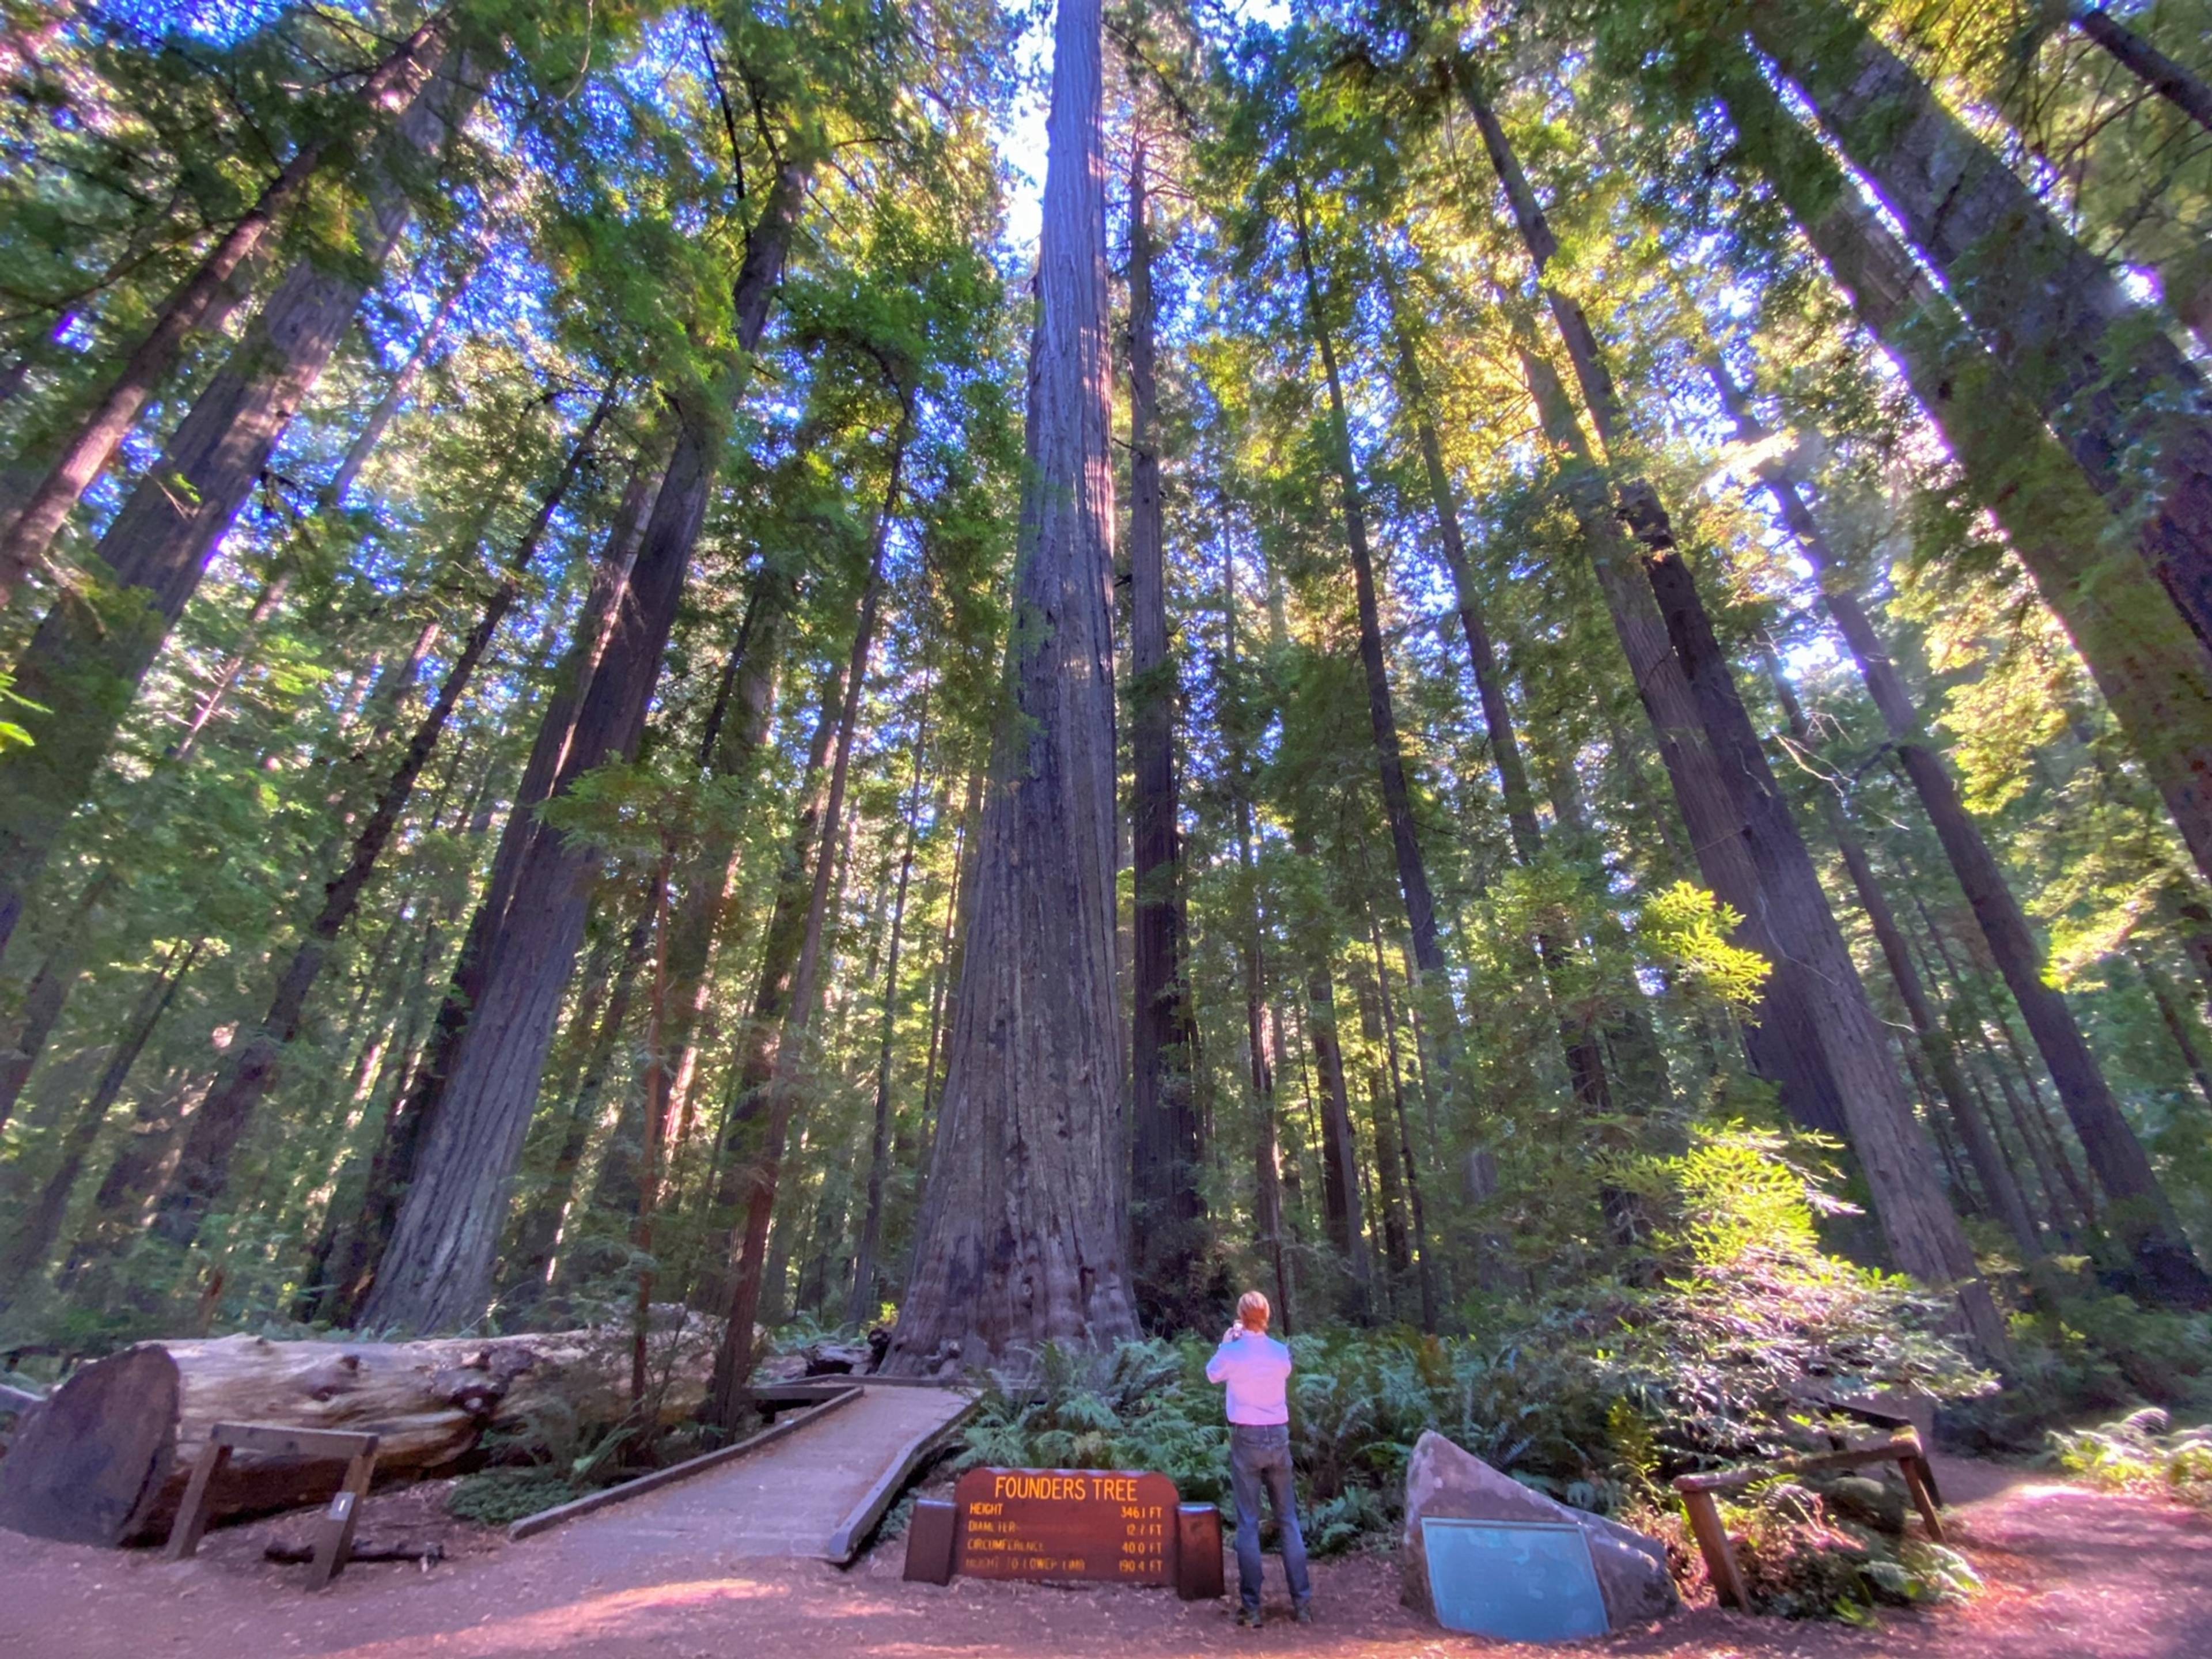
[{"x": 1252, "y": 1310}]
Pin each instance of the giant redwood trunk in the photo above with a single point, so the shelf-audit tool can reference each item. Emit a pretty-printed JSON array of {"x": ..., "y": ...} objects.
[
  {"x": 2131, "y": 407},
  {"x": 1022, "y": 1232},
  {"x": 1166, "y": 1210},
  {"x": 83, "y": 665},
  {"x": 250, "y": 1070},
  {"x": 1778, "y": 1039},
  {"x": 1833, "y": 1017},
  {"x": 196, "y": 305},
  {"x": 2150, "y": 667},
  {"x": 1941, "y": 1058},
  {"x": 436, "y": 1269},
  {"x": 2140, "y": 1214},
  {"x": 1892, "y": 1150},
  {"x": 358, "y": 1246}
]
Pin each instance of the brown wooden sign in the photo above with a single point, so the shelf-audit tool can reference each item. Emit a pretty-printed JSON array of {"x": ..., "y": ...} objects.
[{"x": 1066, "y": 1523}]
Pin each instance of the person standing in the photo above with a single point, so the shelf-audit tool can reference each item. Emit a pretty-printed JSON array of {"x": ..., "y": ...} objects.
[{"x": 1256, "y": 1370}]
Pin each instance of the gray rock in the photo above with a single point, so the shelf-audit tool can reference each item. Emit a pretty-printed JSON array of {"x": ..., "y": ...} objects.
[{"x": 1443, "y": 1481}]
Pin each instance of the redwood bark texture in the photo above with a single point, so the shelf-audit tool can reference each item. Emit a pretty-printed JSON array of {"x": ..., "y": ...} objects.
[
  {"x": 1023, "y": 1233},
  {"x": 2150, "y": 667},
  {"x": 2131, "y": 407}
]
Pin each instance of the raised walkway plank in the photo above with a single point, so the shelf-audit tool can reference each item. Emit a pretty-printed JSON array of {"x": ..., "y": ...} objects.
[{"x": 813, "y": 1492}]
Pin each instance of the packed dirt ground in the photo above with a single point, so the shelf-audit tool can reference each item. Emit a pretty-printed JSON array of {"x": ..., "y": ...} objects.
[{"x": 2070, "y": 1574}]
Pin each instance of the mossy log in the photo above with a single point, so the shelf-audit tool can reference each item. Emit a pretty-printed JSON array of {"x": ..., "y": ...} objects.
[{"x": 104, "y": 1460}]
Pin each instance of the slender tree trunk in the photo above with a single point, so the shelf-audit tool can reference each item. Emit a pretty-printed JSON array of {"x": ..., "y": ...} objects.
[
  {"x": 48, "y": 993},
  {"x": 1941, "y": 1059},
  {"x": 84, "y": 663},
  {"x": 251, "y": 1069},
  {"x": 1923, "y": 1234},
  {"x": 1839, "y": 1021},
  {"x": 2151, "y": 669},
  {"x": 1167, "y": 1211},
  {"x": 435, "y": 1271},
  {"x": 2172, "y": 80},
  {"x": 202, "y": 298},
  {"x": 1390, "y": 753},
  {"x": 332, "y": 496},
  {"x": 864, "y": 1300},
  {"x": 727, "y": 1396},
  {"x": 1022, "y": 1236},
  {"x": 34, "y": 1238},
  {"x": 393, "y": 1167},
  {"x": 2140, "y": 1214},
  {"x": 728, "y": 751},
  {"x": 1778, "y": 1040},
  {"x": 948, "y": 966},
  {"x": 2175, "y": 1021}
]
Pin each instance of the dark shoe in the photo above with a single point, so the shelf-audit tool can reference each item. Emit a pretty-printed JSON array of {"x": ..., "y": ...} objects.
[
  {"x": 1248, "y": 1618},
  {"x": 1303, "y": 1613}
]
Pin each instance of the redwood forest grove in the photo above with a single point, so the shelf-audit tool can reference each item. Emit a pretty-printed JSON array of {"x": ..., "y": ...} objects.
[{"x": 1537, "y": 674}]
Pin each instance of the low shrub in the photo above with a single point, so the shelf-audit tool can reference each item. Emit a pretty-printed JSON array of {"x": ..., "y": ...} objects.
[{"x": 2141, "y": 1452}]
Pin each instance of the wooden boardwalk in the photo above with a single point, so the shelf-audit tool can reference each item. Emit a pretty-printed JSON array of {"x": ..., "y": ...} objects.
[{"x": 816, "y": 1494}]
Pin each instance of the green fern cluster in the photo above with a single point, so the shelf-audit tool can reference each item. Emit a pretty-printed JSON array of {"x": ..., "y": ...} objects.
[{"x": 2142, "y": 1451}]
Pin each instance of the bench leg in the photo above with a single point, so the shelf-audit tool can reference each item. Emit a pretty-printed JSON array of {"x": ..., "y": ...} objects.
[
  {"x": 1920, "y": 1484},
  {"x": 191, "y": 1520},
  {"x": 1713, "y": 1543},
  {"x": 334, "y": 1538}
]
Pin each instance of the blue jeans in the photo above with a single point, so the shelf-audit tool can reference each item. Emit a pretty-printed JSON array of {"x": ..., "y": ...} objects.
[{"x": 1257, "y": 1456}]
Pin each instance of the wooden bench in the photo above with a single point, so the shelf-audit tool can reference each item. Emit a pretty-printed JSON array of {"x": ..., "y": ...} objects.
[
  {"x": 1704, "y": 1516},
  {"x": 334, "y": 1534}
]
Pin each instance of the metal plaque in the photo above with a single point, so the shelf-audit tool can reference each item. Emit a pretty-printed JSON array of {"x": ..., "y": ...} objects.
[{"x": 1516, "y": 1581}]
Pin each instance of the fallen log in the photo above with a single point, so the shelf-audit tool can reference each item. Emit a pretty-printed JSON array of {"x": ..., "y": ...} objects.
[{"x": 105, "y": 1458}]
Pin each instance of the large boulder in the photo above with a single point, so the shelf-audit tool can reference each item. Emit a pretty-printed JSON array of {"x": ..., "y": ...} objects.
[{"x": 1444, "y": 1481}]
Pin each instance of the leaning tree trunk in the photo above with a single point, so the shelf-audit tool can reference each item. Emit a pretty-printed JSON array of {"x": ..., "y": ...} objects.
[
  {"x": 1780, "y": 1042},
  {"x": 2171, "y": 80},
  {"x": 195, "y": 306},
  {"x": 760, "y": 1041},
  {"x": 1839, "y": 1021},
  {"x": 2141, "y": 1215},
  {"x": 436, "y": 1269},
  {"x": 34, "y": 1236},
  {"x": 105, "y": 1459},
  {"x": 1578, "y": 1044},
  {"x": 251, "y": 1070},
  {"x": 358, "y": 1246},
  {"x": 2128, "y": 405},
  {"x": 1167, "y": 1211},
  {"x": 1923, "y": 1235},
  {"x": 2149, "y": 666},
  {"x": 83, "y": 665},
  {"x": 1022, "y": 1234},
  {"x": 1990, "y": 1167}
]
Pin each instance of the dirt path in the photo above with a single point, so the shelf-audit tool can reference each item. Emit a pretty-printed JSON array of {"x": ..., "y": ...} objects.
[{"x": 2072, "y": 1575}]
